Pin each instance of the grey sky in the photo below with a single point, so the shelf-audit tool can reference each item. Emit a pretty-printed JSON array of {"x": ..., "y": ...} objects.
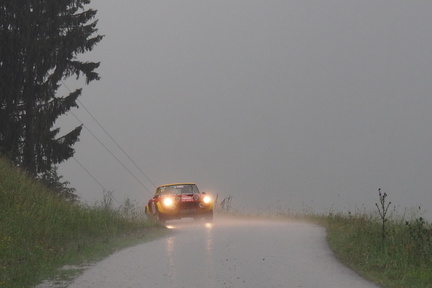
[{"x": 290, "y": 104}]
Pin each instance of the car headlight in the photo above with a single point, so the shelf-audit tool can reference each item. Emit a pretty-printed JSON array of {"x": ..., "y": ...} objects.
[
  {"x": 206, "y": 199},
  {"x": 168, "y": 202}
]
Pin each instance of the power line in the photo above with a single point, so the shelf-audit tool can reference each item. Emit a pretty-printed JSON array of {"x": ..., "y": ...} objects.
[
  {"x": 106, "y": 148},
  {"x": 90, "y": 174},
  {"x": 112, "y": 154},
  {"x": 112, "y": 139},
  {"x": 94, "y": 178}
]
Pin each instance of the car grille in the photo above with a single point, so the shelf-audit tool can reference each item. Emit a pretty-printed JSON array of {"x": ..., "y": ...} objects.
[{"x": 188, "y": 205}]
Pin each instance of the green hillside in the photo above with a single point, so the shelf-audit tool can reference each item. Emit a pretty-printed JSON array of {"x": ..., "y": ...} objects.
[{"x": 40, "y": 232}]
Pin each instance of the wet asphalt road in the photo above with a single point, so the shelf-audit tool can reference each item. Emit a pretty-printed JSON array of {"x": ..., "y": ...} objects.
[{"x": 226, "y": 253}]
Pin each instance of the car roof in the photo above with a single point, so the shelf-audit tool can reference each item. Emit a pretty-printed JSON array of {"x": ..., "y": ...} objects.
[{"x": 173, "y": 184}]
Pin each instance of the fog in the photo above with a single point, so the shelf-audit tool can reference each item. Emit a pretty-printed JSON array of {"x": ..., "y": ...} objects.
[{"x": 285, "y": 105}]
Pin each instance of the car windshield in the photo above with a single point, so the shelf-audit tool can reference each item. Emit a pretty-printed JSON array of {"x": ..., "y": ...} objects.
[{"x": 179, "y": 189}]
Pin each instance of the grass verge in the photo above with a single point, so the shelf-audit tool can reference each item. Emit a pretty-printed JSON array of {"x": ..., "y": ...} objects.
[
  {"x": 41, "y": 232},
  {"x": 400, "y": 259}
]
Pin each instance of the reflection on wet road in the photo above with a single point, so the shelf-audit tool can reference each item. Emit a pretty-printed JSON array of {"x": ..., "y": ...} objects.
[{"x": 227, "y": 253}]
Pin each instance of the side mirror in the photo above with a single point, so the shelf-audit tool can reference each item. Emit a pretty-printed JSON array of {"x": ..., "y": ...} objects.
[{"x": 203, "y": 193}]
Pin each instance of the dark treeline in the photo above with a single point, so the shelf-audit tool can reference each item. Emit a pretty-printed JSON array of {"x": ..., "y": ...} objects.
[{"x": 39, "y": 45}]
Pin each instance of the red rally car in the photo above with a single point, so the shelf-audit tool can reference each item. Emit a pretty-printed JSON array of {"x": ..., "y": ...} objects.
[{"x": 179, "y": 200}]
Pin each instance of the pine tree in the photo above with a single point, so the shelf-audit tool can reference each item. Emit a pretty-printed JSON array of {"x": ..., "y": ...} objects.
[{"x": 39, "y": 45}]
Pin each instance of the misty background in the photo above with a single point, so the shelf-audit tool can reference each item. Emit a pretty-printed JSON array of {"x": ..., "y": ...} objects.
[{"x": 292, "y": 105}]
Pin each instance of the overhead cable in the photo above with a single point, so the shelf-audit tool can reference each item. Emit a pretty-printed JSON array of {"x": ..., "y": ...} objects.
[
  {"x": 90, "y": 174},
  {"x": 106, "y": 148},
  {"x": 112, "y": 139},
  {"x": 112, "y": 154}
]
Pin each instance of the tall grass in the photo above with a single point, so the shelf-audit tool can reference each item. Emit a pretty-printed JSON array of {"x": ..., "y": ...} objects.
[
  {"x": 40, "y": 231},
  {"x": 403, "y": 258}
]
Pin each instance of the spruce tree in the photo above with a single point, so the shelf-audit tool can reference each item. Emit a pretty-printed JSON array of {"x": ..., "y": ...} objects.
[{"x": 40, "y": 42}]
